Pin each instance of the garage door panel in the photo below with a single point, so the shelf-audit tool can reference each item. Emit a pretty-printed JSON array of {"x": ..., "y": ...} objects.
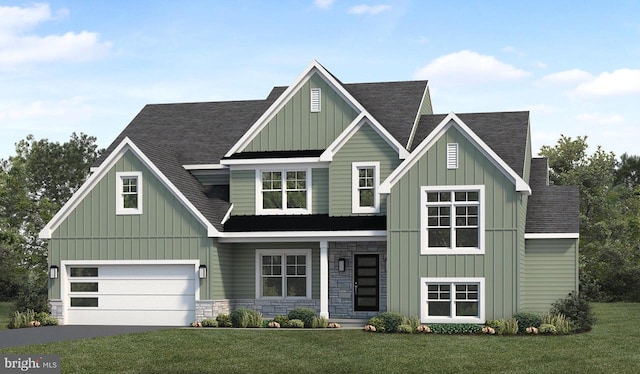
[
  {"x": 135, "y": 272},
  {"x": 130, "y": 318},
  {"x": 146, "y": 286},
  {"x": 146, "y": 302}
]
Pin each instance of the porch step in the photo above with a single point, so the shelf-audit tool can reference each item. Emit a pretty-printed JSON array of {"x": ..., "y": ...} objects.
[{"x": 350, "y": 323}]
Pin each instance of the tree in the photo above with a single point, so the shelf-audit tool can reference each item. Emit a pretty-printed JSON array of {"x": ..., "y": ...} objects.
[
  {"x": 609, "y": 218},
  {"x": 628, "y": 171},
  {"x": 34, "y": 185}
]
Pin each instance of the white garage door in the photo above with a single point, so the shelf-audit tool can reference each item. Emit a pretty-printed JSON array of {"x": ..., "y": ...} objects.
[{"x": 154, "y": 295}]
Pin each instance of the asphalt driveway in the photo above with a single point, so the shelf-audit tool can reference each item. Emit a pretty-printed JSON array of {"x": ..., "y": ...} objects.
[{"x": 49, "y": 334}]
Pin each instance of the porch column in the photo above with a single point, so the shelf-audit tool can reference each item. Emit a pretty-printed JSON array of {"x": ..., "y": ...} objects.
[{"x": 324, "y": 278}]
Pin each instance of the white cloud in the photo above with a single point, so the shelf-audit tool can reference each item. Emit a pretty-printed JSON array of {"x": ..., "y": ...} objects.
[
  {"x": 468, "y": 67},
  {"x": 572, "y": 76},
  {"x": 600, "y": 118},
  {"x": 618, "y": 82},
  {"x": 368, "y": 9},
  {"x": 323, "y": 4},
  {"x": 18, "y": 48}
]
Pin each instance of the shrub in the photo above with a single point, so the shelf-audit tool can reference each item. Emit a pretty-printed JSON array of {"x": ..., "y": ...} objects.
[
  {"x": 455, "y": 328},
  {"x": 405, "y": 329},
  {"x": 390, "y": 321},
  {"x": 377, "y": 323},
  {"x": 244, "y": 317},
  {"x": 21, "y": 319},
  {"x": 577, "y": 310},
  {"x": 281, "y": 319},
  {"x": 305, "y": 315},
  {"x": 295, "y": 324},
  {"x": 527, "y": 319},
  {"x": 559, "y": 321},
  {"x": 45, "y": 319},
  {"x": 546, "y": 328},
  {"x": 209, "y": 322},
  {"x": 224, "y": 320},
  {"x": 320, "y": 323},
  {"x": 509, "y": 327},
  {"x": 414, "y": 322},
  {"x": 32, "y": 294}
]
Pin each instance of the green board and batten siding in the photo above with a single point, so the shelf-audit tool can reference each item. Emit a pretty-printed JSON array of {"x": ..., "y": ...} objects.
[
  {"x": 365, "y": 145},
  {"x": 165, "y": 231},
  {"x": 296, "y": 128},
  {"x": 405, "y": 264},
  {"x": 551, "y": 272}
]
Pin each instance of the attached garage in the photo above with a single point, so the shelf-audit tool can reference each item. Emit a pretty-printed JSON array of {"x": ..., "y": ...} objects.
[{"x": 117, "y": 293}]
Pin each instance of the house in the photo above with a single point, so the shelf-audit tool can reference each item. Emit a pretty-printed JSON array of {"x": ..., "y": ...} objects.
[{"x": 351, "y": 199}]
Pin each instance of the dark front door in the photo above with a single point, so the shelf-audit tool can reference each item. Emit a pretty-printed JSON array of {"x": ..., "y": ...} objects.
[{"x": 366, "y": 283}]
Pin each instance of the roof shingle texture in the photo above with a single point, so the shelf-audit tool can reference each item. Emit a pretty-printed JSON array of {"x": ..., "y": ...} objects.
[{"x": 551, "y": 209}]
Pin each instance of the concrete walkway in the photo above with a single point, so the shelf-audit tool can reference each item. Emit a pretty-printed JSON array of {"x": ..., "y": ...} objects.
[{"x": 49, "y": 334}]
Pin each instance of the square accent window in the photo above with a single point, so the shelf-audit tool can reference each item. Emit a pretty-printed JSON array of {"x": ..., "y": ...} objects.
[
  {"x": 450, "y": 300},
  {"x": 129, "y": 193},
  {"x": 283, "y": 274},
  {"x": 364, "y": 181},
  {"x": 283, "y": 192},
  {"x": 452, "y": 220}
]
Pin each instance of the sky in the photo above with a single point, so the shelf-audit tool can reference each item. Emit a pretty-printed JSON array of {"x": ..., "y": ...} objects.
[{"x": 90, "y": 66}]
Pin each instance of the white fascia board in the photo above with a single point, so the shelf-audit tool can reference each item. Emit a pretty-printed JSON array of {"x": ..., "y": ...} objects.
[
  {"x": 264, "y": 119},
  {"x": 353, "y": 128},
  {"x": 205, "y": 167},
  {"x": 281, "y": 166},
  {"x": 271, "y": 161},
  {"x": 568, "y": 235},
  {"x": 453, "y": 120},
  {"x": 102, "y": 171},
  {"x": 302, "y": 236},
  {"x": 227, "y": 215}
]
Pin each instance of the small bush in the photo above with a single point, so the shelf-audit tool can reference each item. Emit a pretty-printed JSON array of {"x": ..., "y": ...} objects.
[
  {"x": 577, "y": 310},
  {"x": 391, "y": 320},
  {"x": 45, "y": 319},
  {"x": 414, "y": 322},
  {"x": 546, "y": 328},
  {"x": 19, "y": 319},
  {"x": 281, "y": 319},
  {"x": 455, "y": 328},
  {"x": 209, "y": 322},
  {"x": 527, "y": 319},
  {"x": 244, "y": 317},
  {"x": 320, "y": 323},
  {"x": 509, "y": 327},
  {"x": 224, "y": 320},
  {"x": 559, "y": 321},
  {"x": 295, "y": 324},
  {"x": 404, "y": 329},
  {"x": 376, "y": 322},
  {"x": 305, "y": 315}
]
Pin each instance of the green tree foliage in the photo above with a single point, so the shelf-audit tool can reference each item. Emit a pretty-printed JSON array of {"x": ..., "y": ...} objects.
[
  {"x": 34, "y": 184},
  {"x": 609, "y": 216}
]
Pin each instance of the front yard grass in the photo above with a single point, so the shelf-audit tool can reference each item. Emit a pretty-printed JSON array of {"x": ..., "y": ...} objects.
[
  {"x": 5, "y": 314},
  {"x": 612, "y": 346}
]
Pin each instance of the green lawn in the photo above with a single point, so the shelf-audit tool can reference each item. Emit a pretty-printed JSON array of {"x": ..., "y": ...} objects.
[
  {"x": 612, "y": 346},
  {"x": 5, "y": 310}
]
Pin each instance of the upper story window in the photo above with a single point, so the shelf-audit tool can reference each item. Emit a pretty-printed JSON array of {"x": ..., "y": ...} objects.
[
  {"x": 129, "y": 193},
  {"x": 452, "y": 220},
  {"x": 365, "y": 178},
  {"x": 283, "y": 192}
]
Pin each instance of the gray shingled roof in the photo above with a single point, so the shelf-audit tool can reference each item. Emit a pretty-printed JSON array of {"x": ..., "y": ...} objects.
[
  {"x": 551, "y": 209},
  {"x": 504, "y": 132}
]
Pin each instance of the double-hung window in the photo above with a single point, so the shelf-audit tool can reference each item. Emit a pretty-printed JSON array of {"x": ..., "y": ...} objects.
[
  {"x": 283, "y": 191},
  {"x": 364, "y": 181},
  {"x": 452, "y": 220},
  {"x": 283, "y": 273},
  {"x": 129, "y": 193},
  {"x": 452, "y": 300}
]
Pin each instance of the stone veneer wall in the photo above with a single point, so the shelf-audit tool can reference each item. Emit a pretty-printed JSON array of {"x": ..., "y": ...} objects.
[
  {"x": 268, "y": 307},
  {"x": 56, "y": 310},
  {"x": 341, "y": 300}
]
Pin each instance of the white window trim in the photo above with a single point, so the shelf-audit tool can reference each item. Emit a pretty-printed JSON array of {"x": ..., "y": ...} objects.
[
  {"x": 282, "y": 252},
  {"x": 316, "y": 106},
  {"x": 424, "y": 237},
  {"x": 425, "y": 318},
  {"x": 120, "y": 209},
  {"x": 259, "y": 199},
  {"x": 355, "y": 196}
]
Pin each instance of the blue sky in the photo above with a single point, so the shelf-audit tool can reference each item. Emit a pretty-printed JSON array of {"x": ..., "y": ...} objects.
[{"x": 90, "y": 66}]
